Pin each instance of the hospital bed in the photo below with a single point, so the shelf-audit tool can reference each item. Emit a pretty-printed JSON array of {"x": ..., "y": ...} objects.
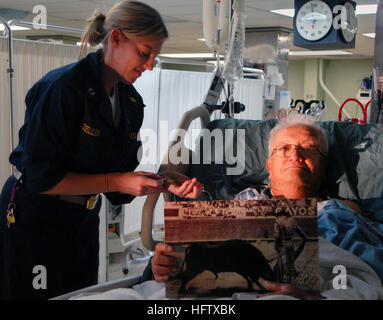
[{"x": 355, "y": 172}]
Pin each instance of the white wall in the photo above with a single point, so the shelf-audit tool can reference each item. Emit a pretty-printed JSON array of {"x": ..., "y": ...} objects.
[
  {"x": 296, "y": 78},
  {"x": 342, "y": 76}
]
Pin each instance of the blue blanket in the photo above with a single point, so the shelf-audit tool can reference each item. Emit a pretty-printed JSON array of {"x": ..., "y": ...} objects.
[{"x": 352, "y": 232}]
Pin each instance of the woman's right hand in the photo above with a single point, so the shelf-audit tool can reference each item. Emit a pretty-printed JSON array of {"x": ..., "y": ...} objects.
[{"x": 140, "y": 183}]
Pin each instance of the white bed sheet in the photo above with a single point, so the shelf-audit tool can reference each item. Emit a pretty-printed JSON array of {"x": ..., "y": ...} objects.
[{"x": 362, "y": 281}]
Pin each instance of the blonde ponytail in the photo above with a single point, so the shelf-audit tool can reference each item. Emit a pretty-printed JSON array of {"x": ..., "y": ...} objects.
[
  {"x": 138, "y": 21},
  {"x": 94, "y": 32}
]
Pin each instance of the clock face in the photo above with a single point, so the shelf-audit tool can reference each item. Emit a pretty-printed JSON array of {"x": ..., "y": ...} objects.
[
  {"x": 314, "y": 20},
  {"x": 349, "y": 22}
]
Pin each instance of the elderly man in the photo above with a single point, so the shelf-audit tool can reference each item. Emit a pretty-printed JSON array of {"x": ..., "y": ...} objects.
[{"x": 296, "y": 164}]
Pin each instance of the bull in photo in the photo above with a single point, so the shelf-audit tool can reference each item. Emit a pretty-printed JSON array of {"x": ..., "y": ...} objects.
[{"x": 230, "y": 256}]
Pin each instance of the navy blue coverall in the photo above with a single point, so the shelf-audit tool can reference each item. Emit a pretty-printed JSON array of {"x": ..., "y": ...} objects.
[{"x": 68, "y": 128}]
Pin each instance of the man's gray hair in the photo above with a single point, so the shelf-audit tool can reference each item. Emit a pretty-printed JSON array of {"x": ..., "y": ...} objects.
[{"x": 300, "y": 120}]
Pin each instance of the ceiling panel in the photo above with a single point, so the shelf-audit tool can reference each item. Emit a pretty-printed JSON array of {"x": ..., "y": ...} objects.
[{"x": 183, "y": 19}]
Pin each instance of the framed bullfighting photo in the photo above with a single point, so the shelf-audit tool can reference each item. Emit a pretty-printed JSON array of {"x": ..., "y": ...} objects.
[{"x": 228, "y": 246}]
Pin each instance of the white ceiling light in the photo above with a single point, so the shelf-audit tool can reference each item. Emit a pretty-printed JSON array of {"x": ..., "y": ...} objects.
[
  {"x": 14, "y": 28},
  {"x": 360, "y": 9},
  {"x": 187, "y": 55},
  {"x": 284, "y": 12},
  {"x": 366, "y": 9},
  {"x": 319, "y": 53},
  {"x": 369, "y": 35}
]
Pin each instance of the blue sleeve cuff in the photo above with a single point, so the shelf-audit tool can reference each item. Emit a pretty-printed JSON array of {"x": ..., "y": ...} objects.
[
  {"x": 41, "y": 177},
  {"x": 117, "y": 198}
]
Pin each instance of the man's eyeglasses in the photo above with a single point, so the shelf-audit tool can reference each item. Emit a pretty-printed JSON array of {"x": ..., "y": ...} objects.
[{"x": 287, "y": 150}]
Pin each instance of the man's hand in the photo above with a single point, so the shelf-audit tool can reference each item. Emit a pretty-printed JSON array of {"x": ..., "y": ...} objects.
[
  {"x": 163, "y": 265},
  {"x": 181, "y": 185},
  {"x": 287, "y": 290}
]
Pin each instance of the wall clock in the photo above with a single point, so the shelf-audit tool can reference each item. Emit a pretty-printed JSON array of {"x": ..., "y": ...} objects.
[
  {"x": 314, "y": 20},
  {"x": 325, "y": 24}
]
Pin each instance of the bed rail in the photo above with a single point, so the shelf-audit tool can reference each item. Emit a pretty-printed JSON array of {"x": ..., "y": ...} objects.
[{"x": 127, "y": 282}]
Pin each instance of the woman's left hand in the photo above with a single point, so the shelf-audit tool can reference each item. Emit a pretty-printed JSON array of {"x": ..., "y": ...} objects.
[{"x": 181, "y": 185}]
